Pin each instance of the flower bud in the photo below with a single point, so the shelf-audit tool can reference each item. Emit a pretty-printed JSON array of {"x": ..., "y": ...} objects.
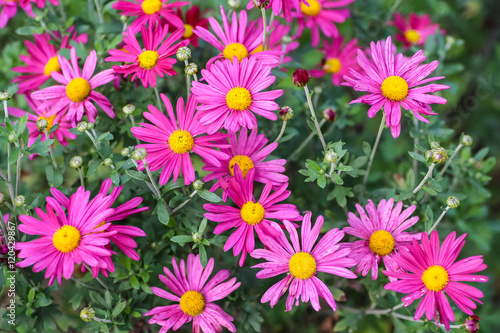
[
  {"x": 300, "y": 77},
  {"x": 191, "y": 69},
  {"x": 4, "y": 96},
  {"x": 183, "y": 53},
  {"x": 197, "y": 184},
  {"x": 286, "y": 113},
  {"x": 435, "y": 145},
  {"x": 428, "y": 156},
  {"x": 329, "y": 115},
  {"x": 234, "y": 4},
  {"x": 452, "y": 202},
  {"x": 331, "y": 157},
  {"x": 90, "y": 126},
  {"x": 42, "y": 124},
  {"x": 75, "y": 162},
  {"x": 128, "y": 109},
  {"x": 197, "y": 238},
  {"x": 125, "y": 152},
  {"x": 439, "y": 155},
  {"x": 318, "y": 90},
  {"x": 467, "y": 141},
  {"x": 471, "y": 324},
  {"x": 123, "y": 19},
  {"x": 261, "y": 3},
  {"x": 108, "y": 162},
  {"x": 12, "y": 137},
  {"x": 139, "y": 154},
  {"x": 286, "y": 39},
  {"x": 20, "y": 201},
  {"x": 81, "y": 126},
  {"x": 87, "y": 314}
]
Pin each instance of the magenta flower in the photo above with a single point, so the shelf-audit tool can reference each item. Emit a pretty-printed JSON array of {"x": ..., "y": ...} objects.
[
  {"x": 173, "y": 138},
  {"x": 234, "y": 94},
  {"x": 76, "y": 94},
  {"x": 39, "y": 3},
  {"x": 151, "y": 61},
  {"x": 237, "y": 39},
  {"x": 321, "y": 14},
  {"x": 382, "y": 233},
  {"x": 301, "y": 264},
  {"x": 193, "y": 18},
  {"x": 415, "y": 30},
  {"x": 8, "y": 9},
  {"x": 433, "y": 272},
  {"x": 392, "y": 83},
  {"x": 282, "y": 5},
  {"x": 150, "y": 12},
  {"x": 194, "y": 297},
  {"x": 249, "y": 152}
]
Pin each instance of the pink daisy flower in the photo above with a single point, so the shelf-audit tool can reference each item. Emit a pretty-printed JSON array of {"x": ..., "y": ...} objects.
[
  {"x": 8, "y": 9},
  {"x": 433, "y": 272},
  {"x": 392, "y": 83},
  {"x": 251, "y": 215},
  {"x": 72, "y": 34},
  {"x": 382, "y": 233},
  {"x": 151, "y": 61},
  {"x": 234, "y": 94},
  {"x": 302, "y": 263},
  {"x": 40, "y": 3},
  {"x": 249, "y": 152},
  {"x": 338, "y": 60},
  {"x": 282, "y": 5},
  {"x": 173, "y": 138},
  {"x": 237, "y": 39},
  {"x": 150, "y": 12},
  {"x": 415, "y": 30},
  {"x": 321, "y": 14},
  {"x": 76, "y": 94},
  {"x": 66, "y": 240},
  {"x": 193, "y": 18},
  {"x": 194, "y": 297}
]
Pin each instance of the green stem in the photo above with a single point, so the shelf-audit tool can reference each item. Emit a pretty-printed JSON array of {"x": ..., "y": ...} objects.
[
  {"x": 188, "y": 80},
  {"x": 132, "y": 120},
  {"x": 157, "y": 190},
  {"x": 176, "y": 209},
  {"x": 158, "y": 99},
  {"x": 92, "y": 139},
  {"x": 400, "y": 316},
  {"x": 281, "y": 132},
  {"x": 97, "y": 277},
  {"x": 415, "y": 144},
  {"x": 427, "y": 175},
  {"x": 449, "y": 160},
  {"x": 18, "y": 174},
  {"x": 439, "y": 219},
  {"x": 51, "y": 152},
  {"x": 313, "y": 115},
  {"x": 98, "y": 7},
  {"x": 4, "y": 228},
  {"x": 304, "y": 143},
  {"x": 80, "y": 172},
  {"x": 6, "y": 110},
  {"x": 264, "y": 32},
  {"x": 9, "y": 177},
  {"x": 372, "y": 155}
]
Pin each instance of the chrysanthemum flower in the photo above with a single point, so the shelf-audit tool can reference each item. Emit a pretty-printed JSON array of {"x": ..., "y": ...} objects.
[
  {"x": 251, "y": 215},
  {"x": 193, "y": 18},
  {"x": 150, "y": 12},
  {"x": 282, "y": 5},
  {"x": 249, "y": 152},
  {"x": 151, "y": 61},
  {"x": 172, "y": 139},
  {"x": 321, "y": 14},
  {"x": 382, "y": 232},
  {"x": 8, "y": 9},
  {"x": 67, "y": 238},
  {"x": 234, "y": 94},
  {"x": 40, "y": 3},
  {"x": 392, "y": 83},
  {"x": 194, "y": 297},
  {"x": 433, "y": 272},
  {"x": 237, "y": 39},
  {"x": 415, "y": 30},
  {"x": 301, "y": 264},
  {"x": 77, "y": 92},
  {"x": 338, "y": 60}
]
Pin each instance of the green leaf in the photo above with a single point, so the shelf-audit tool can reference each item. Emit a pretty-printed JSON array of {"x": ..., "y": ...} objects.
[
  {"x": 181, "y": 239},
  {"x": 417, "y": 157},
  {"x": 209, "y": 196},
  {"x": 163, "y": 214},
  {"x": 367, "y": 149},
  {"x": 202, "y": 227},
  {"x": 120, "y": 306},
  {"x": 322, "y": 181},
  {"x": 14, "y": 154},
  {"x": 203, "y": 255},
  {"x": 28, "y": 31},
  {"x": 136, "y": 175},
  {"x": 31, "y": 295},
  {"x": 337, "y": 179},
  {"x": 40, "y": 146},
  {"x": 105, "y": 137},
  {"x": 134, "y": 282},
  {"x": 53, "y": 128}
]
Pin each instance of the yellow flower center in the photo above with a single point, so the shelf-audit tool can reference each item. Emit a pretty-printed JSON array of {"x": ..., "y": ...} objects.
[
  {"x": 151, "y": 6},
  {"x": 78, "y": 89},
  {"x": 243, "y": 161},
  {"x": 239, "y": 99},
  {"x": 189, "y": 31},
  {"x": 435, "y": 278},
  {"x": 181, "y": 141},
  {"x": 302, "y": 265},
  {"x": 313, "y": 9},
  {"x": 235, "y": 49},
  {"x": 332, "y": 65},
  {"x": 51, "y": 66},
  {"x": 50, "y": 121},
  {"x": 192, "y": 303},
  {"x": 258, "y": 49},
  {"x": 412, "y": 36},
  {"x": 148, "y": 59},
  {"x": 382, "y": 242},
  {"x": 395, "y": 88},
  {"x": 66, "y": 239},
  {"x": 252, "y": 212}
]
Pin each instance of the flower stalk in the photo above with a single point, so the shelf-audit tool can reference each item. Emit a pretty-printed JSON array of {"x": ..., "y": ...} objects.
[
  {"x": 372, "y": 155},
  {"x": 313, "y": 115},
  {"x": 427, "y": 175}
]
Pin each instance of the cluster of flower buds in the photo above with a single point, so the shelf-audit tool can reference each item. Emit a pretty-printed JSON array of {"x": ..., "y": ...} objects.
[
  {"x": 139, "y": 154},
  {"x": 83, "y": 126},
  {"x": 436, "y": 155}
]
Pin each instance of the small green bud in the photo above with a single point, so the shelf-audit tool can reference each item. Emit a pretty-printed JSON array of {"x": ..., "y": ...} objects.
[
  {"x": 123, "y": 18},
  {"x": 286, "y": 39},
  {"x": 125, "y": 152},
  {"x": 139, "y": 154},
  {"x": 108, "y": 162},
  {"x": 75, "y": 162},
  {"x": 42, "y": 124},
  {"x": 191, "y": 69},
  {"x": 331, "y": 157},
  {"x": 128, "y": 109},
  {"x": 439, "y": 155},
  {"x": 87, "y": 314},
  {"x": 197, "y": 238},
  {"x": 318, "y": 90},
  {"x": 452, "y": 202},
  {"x": 183, "y": 53},
  {"x": 90, "y": 126},
  {"x": 234, "y": 4},
  {"x": 197, "y": 184},
  {"x": 20, "y": 201},
  {"x": 467, "y": 140},
  {"x": 12, "y": 137},
  {"x": 81, "y": 126},
  {"x": 4, "y": 96},
  {"x": 428, "y": 156},
  {"x": 286, "y": 113},
  {"x": 435, "y": 145}
]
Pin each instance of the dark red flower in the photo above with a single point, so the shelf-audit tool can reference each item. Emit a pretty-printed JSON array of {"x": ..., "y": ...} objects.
[{"x": 193, "y": 18}]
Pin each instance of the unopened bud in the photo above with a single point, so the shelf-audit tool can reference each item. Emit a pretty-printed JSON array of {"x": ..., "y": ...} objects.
[
  {"x": 197, "y": 184},
  {"x": 286, "y": 39},
  {"x": 331, "y": 157},
  {"x": 76, "y": 162},
  {"x": 128, "y": 109},
  {"x": 286, "y": 113},
  {"x": 261, "y": 3},
  {"x": 123, "y": 18},
  {"x": 435, "y": 145},
  {"x": 125, "y": 152},
  {"x": 428, "y": 156},
  {"x": 90, "y": 126},
  {"x": 183, "y": 53},
  {"x": 318, "y": 90},
  {"x": 329, "y": 114},
  {"x": 12, "y": 137},
  {"x": 467, "y": 140},
  {"x": 42, "y": 124},
  {"x": 108, "y": 162},
  {"x": 234, "y": 4},
  {"x": 81, "y": 126},
  {"x": 452, "y": 202},
  {"x": 87, "y": 314},
  {"x": 139, "y": 154},
  {"x": 191, "y": 69},
  {"x": 197, "y": 237},
  {"x": 4, "y": 96},
  {"x": 471, "y": 324},
  {"x": 439, "y": 155},
  {"x": 20, "y": 201},
  {"x": 300, "y": 77}
]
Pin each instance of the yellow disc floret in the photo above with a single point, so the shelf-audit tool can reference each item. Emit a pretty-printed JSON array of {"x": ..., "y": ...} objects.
[
  {"x": 435, "y": 278},
  {"x": 66, "y": 239},
  {"x": 50, "y": 121},
  {"x": 181, "y": 141},
  {"x": 148, "y": 59},
  {"x": 313, "y": 9},
  {"x": 78, "y": 89},
  {"x": 413, "y": 36},
  {"x": 332, "y": 65},
  {"x": 302, "y": 265},
  {"x": 243, "y": 161},
  {"x": 395, "y": 88},
  {"x": 151, "y": 6},
  {"x": 192, "y": 303},
  {"x": 382, "y": 242},
  {"x": 189, "y": 31},
  {"x": 239, "y": 99},
  {"x": 51, "y": 66},
  {"x": 252, "y": 212},
  {"x": 235, "y": 50}
]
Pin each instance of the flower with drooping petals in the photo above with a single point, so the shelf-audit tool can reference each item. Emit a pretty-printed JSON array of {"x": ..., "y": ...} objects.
[
  {"x": 382, "y": 234},
  {"x": 321, "y": 14},
  {"x": 234, "y": 93},
  {"x": 432, "y": 273},
  {"x": 338, "y": 60},
  {"x": 282, "y": 5},
  {"x": 150, "y": 12},
  {"x": 393, "y": 82},
  {"x": 194, "y": 297},
  {"x": 251, "y": 215},
  {"x": 8, "y": 9},
  {"x": 301, "y": 261},
  {"x": 193, "y": 18},
  {"x": 151, "y": 61},
  {"x": 249, "y": 152},
  {"x": 415, "y": 30},
  {"x": 173, "y": 138},
  {"x": 76, "y": 94},
  {"x": 238, "y": 39}
]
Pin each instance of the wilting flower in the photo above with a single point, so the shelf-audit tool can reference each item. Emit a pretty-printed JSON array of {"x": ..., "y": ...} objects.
[
  {"x": 432, "y": 272},
  {"x": 194, "y": 297},
  {"x": 301, "y": 261},
  {"x": 172, "y": 139},
  {"x": 415, "y": 30},
  {"x": 234, "y": 94},
  {"x": 392, "y": 83},
  {"x": 251, "y": 215},
  {"x": 282, "y": 5},
  {"x": 193, "y": 18},
  {"x": 151, "y": 61}
]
